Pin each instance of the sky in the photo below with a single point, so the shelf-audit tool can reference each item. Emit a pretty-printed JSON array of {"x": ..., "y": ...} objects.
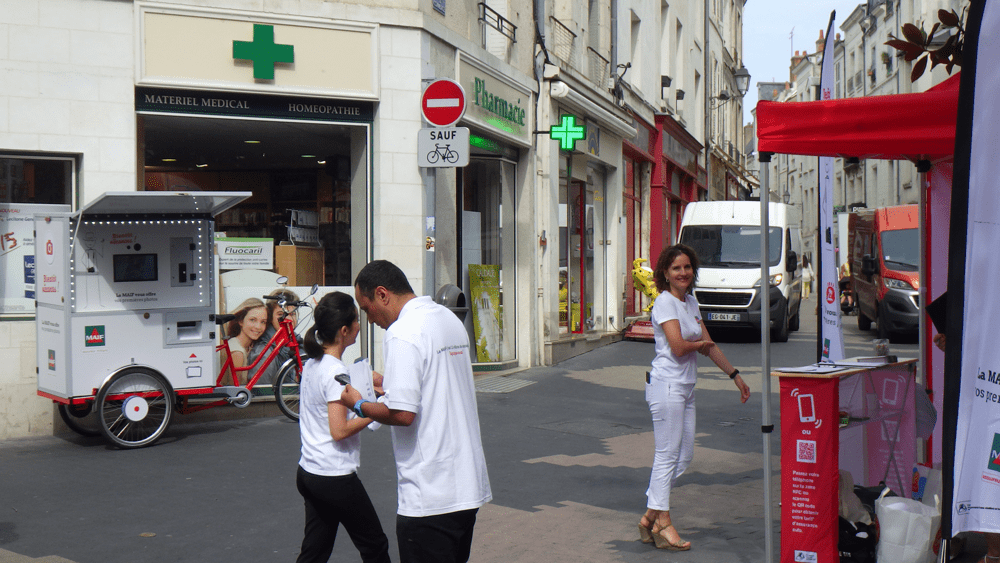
[{"x": 767, "y": 45}]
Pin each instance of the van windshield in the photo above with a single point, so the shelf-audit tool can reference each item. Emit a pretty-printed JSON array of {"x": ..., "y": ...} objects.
[
  {"x": 731, "y": 246},
  {"x": 901, "y": 250}
]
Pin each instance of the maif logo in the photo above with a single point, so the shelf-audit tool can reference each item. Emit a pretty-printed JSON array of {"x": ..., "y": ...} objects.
[
  {"x": 94, "y": 335},
  {"x": 993, "y": 463}
]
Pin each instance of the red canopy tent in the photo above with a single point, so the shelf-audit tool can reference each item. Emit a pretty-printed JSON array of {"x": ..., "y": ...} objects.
[{"x": 915, "y": 127}]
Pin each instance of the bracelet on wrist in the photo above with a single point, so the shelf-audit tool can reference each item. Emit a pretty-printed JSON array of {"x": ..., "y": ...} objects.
[
  {"x": 357, "y": 408},
  {"x": 734, "y": 374}
]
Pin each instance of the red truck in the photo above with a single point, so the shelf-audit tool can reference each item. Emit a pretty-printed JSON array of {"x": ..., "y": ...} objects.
[{"x": 884, "y": 255}]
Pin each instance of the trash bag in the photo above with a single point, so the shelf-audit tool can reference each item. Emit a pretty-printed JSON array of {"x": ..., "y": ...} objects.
[{"x": 856, "y": 542}]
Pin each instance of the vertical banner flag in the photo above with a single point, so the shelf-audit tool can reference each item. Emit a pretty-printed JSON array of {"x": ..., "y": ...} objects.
[
  {"x": 830, "y": 334},
  {"x": 975, "y": 505}
]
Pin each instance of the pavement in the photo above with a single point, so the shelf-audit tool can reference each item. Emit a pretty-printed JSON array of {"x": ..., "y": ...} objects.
[{"x": 568, "y": 447}]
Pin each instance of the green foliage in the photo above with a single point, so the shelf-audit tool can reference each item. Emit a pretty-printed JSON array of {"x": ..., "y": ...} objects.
[{"x": 916, "y": 44}]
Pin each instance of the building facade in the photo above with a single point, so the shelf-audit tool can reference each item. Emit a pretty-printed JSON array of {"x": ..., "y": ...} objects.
[{"x": 314, "y": 108}]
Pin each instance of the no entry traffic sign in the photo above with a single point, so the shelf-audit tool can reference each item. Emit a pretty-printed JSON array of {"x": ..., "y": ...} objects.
[{"x": 443, "y": 102}]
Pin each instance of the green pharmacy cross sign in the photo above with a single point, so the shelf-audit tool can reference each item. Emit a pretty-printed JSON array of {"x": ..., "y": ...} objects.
[
  {"x": 263, "y": 51},
  {"x": 568, "y": 132}
]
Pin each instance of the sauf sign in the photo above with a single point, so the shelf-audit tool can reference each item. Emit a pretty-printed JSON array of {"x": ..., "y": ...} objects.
[
  {"x": 442, "y": 147},
  {"x": 443, "y": 104}
]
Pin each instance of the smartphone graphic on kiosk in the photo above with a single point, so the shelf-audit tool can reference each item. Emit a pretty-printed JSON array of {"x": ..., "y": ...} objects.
[{"x": 807, "y": 409}]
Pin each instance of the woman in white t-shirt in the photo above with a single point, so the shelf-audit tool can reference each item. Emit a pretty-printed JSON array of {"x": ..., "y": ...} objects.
[
  {"x": 327, "y": 475},
  {"x": 678, "y": 333}
]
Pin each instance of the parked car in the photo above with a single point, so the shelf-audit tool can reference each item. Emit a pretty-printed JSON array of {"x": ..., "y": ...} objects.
[
  {"x": 726, "y": 236},
  {"x": 885, "y": 268}
]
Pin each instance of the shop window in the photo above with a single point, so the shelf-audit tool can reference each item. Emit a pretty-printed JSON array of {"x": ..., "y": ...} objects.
[
  {"x": 42, "y": 180},
  {"x": 293, "y": 169},
  {"x": 29, "y": 184}
]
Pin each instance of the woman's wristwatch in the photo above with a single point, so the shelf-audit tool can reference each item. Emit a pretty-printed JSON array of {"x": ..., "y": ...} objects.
[
  {"x": 734, "y": 374},
  {"x": 357, "y": 408}
]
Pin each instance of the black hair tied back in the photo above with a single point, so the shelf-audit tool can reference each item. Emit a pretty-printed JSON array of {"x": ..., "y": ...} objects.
[{"x": 334, "y": 311}]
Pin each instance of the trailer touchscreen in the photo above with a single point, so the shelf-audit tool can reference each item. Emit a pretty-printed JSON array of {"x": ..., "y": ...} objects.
[{"x": 135, "y": 267}]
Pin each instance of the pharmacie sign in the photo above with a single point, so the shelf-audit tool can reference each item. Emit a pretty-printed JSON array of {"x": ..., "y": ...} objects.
[
  {"x": 497, "y": 104},
  {"x": 169, "y": 100}
]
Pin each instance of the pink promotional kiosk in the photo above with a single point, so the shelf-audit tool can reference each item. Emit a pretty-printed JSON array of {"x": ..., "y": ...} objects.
[{"x": 861, "y": 419}]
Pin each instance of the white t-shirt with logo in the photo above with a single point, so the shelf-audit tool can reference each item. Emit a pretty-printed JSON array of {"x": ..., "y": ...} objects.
[
  {"x": 440, "y": 464},
  {"x": 667, "y": 366},
  {"x": 321, "y": 454}
]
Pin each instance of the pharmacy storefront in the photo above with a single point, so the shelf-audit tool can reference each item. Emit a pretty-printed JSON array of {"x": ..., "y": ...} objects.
[
  {"x": 499, "y": 116},
  {"x": 230, "y": 102}
]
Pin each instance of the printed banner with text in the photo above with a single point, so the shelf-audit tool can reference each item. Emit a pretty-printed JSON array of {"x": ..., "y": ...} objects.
[
  {"x": 831, "y": 332},
  {"x": 976, "y": 501}
]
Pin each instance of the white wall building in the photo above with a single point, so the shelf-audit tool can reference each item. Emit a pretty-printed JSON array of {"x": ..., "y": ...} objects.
[{"x": 100, "y": 95}]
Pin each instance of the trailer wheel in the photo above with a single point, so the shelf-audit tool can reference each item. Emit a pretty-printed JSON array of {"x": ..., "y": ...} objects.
[
  {"x": 81, "y": 419},
  {"x": 286, "y": 389},
  {"x": 135, "y": 407}
]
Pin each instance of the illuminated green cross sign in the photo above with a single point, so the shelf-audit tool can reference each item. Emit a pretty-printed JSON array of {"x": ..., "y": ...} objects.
[
  {"x": 568, "y": 133},
  {"x": 263, "y": 52}
]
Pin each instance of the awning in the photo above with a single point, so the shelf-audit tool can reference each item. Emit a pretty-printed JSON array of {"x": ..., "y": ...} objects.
[
  {"x": 900, "y": 126},
  {"x": 163, "y": 203}
]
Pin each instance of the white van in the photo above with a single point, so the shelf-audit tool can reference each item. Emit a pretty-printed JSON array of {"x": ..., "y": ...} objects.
[{"x": 726, "y": 237}]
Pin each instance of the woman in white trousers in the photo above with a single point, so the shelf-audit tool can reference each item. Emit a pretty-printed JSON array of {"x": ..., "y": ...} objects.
[{"x": 678, "y": 333}]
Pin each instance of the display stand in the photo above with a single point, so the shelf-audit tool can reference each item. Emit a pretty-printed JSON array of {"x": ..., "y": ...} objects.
[{"x": 854, "y": 416}]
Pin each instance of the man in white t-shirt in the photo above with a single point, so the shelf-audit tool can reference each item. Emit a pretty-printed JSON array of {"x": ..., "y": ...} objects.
[{"x": 430, "y": 402}]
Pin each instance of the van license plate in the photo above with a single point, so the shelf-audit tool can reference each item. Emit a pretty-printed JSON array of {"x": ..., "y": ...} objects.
[{"x": 724, "y": 317}]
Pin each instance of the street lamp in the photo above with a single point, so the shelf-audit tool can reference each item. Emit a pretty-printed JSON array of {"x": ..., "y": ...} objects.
[
  {"x": 742, "y": 76},
  {"x": 742, "y": 79}
]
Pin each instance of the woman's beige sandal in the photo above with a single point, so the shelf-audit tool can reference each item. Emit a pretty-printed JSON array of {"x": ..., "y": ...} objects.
[{"x": 663, "y": 543}]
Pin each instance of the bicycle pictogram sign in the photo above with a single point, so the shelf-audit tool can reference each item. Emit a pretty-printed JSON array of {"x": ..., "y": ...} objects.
[{"x": 443, "y": 147}]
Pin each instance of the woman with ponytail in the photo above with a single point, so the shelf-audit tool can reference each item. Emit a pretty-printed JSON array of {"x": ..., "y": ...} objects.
[{"x": 327, "y": 475}]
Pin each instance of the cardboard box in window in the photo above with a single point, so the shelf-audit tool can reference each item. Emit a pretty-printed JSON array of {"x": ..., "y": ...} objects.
[{"x": 302, "y": 264}]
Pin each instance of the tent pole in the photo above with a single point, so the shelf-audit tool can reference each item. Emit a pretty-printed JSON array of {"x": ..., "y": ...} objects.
[{"x": 765, "y": 345}]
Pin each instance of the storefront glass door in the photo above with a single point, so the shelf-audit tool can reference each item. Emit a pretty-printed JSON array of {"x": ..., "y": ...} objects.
[
  {"x": 487, "y": 256},
  {"x": 581, "y": 252}
]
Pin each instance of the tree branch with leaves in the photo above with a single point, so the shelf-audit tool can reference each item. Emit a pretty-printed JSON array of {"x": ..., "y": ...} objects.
[{"x": 916, "y": 44}]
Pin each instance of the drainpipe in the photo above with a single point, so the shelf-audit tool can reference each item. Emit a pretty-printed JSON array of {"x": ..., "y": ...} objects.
[
  {"x": 614, "y": 37},
  {"x": 543, "y": 215}
]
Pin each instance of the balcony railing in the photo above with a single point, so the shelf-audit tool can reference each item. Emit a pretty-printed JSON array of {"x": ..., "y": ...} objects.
[
  {"x": 564, "y": 44},
  {"x": 488, "y": 16},
  {"x": 598, "y": 68}
]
